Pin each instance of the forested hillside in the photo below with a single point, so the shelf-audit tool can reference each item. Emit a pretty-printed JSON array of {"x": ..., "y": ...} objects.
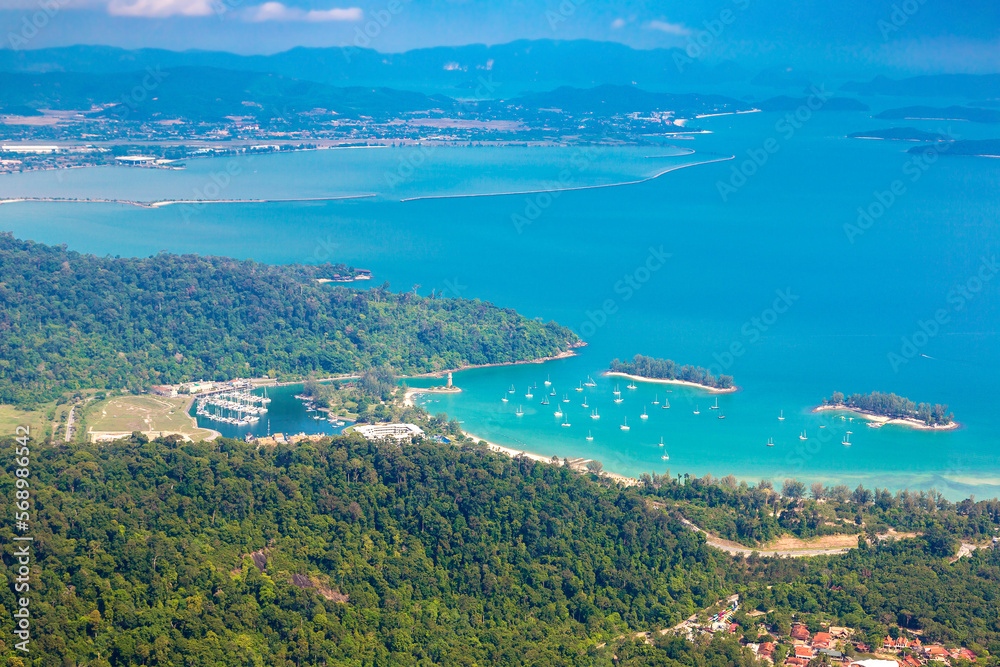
[
  {"x": 148, "y": 554},
  {"x": 70, "y": 321}
]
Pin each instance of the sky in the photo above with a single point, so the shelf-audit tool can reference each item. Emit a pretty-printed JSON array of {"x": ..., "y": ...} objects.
[{"x": 909, "y": 35}]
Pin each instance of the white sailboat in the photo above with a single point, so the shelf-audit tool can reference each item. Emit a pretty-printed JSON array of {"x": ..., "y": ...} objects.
[
  {"x": 585, "y": 403},
  {"x": 617, "y": 391},
  {"x": 529, "y": 394},
  {"x": 644, "y": 415},
  {"x": 631, "y": 385},
  {"x": 566, "y": 423},
  {"x": 661, "y": 441},
  {"x": 580, "y": 388},
  {"x": 781, "y": 416},
  {"x": 619, "y": 400},
  {"x": 504, "y": 399},
  {"x": 565, "y": 398},
  {"x": 590, "y": 382},
  {"x": 548, "y": 381},
  {"x": 847, "y": 439},
  {"x": 594, "y": 414},
  {"x": 770, "y": 442},
  {"x": 656, "y": 400},
  {"x": 697, "y": 411},
  {"x": 721, "y": 415},
  {"x": 590, "y": 436},
  {"x": 519, "y": 412},
  {"x": 625, "y": 426},
  {"x": 511, "y": 390},
  {"x": 802, "y": 436},
  {"x": 666, "y": 405},
  {"x": 558, "y": 412},
  {"x": 716, "y": 406}
]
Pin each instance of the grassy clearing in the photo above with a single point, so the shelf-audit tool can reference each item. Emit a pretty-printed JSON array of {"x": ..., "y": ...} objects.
[
  {"x": 35, "y": 420},
  {"x": 143, "y": 413}
]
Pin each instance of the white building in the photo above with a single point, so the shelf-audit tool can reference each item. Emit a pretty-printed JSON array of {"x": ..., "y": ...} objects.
[
  {"x": 397, "y": 431},
  {"x": 33, "y": 150}
]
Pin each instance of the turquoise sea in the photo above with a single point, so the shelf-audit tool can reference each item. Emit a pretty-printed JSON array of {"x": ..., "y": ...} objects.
[{"x": 678, "y": 266}]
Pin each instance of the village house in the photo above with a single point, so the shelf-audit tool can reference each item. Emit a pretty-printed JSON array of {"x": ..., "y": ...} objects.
[
  {"x": 800, "y": 632},
  {"x": 822, "y": 640}
]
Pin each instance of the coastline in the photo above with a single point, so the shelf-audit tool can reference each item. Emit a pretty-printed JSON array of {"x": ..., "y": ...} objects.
[
  {"x": 578, "y": 465},
  {"x": 172, "y": 202},
  {"x": 683, "y": 383},
  {"x": 573, "y": 189},
  {"x": 882, "y": 420},
  {"x": 414, "y": 391},
  {"x": 541, "y": 360}
]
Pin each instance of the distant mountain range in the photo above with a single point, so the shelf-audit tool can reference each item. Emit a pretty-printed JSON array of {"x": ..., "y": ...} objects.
[
  {"x": 515, "y": 67},
  {"x": 199, "y": 93}
]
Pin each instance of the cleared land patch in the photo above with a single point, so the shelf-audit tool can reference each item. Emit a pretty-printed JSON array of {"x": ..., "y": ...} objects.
[{"x": 124, "y": 414}]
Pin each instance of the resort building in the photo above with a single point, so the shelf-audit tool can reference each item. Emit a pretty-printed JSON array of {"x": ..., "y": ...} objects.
[{"x": 397, "y": 431}]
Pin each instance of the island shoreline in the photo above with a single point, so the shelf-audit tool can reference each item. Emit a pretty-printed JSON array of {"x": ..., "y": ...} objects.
[
  {"x": 882, "y": 420},
  {"x": 683, "y": 383}
]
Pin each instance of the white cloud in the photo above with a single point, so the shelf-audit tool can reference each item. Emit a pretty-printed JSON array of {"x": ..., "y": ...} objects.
[
  {"x": 669, "y": 28},
  {"x": 618, "y": 23},
  {"x": 276, "y": 11},
  {"x": 160, "y": 8}
]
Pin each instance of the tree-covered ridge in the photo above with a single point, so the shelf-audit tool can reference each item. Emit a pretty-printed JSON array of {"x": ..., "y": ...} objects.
[
  {"x": 378, "y": 554},
  {"x": 71, "y": 321},
  {"x": 896, "y": 407},
  {"x": 446, "y": 556},
  {"x": 666, "y": 369}
]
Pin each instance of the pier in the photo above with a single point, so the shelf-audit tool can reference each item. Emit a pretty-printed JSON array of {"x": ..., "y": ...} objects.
[{"x": 238, "y": 407}]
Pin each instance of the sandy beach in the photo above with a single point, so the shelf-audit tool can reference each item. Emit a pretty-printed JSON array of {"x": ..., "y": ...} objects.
[
  {"x": 413, "y": 391},
  {"x": 685, "y": 383},
  {"x": 579, "y": 465},
  {"x": 541, "y": 360},
  {"x": 883, "y": 420}
]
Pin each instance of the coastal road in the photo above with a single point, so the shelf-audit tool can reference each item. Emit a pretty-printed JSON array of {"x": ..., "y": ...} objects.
[{"x": 734, "y": 548}]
